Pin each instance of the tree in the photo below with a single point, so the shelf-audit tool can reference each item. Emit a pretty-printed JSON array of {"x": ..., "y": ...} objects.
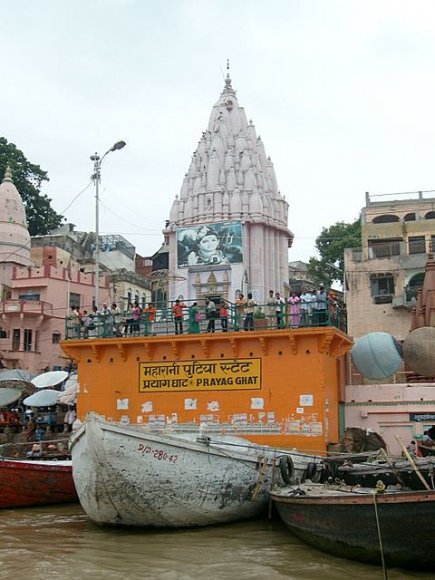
[
  {"x": 28, "y": 178},
  {"x": 331, "y": 245}
]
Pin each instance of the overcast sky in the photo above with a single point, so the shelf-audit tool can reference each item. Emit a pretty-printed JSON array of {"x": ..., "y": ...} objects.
[{"x": 342, "y": 93}]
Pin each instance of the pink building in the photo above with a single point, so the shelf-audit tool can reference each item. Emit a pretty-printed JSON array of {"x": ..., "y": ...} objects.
[{"x": 35, "y": 299}]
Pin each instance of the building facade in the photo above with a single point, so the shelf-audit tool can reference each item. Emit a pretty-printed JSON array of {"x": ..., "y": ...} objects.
[
  {"x": 227, "y": 231},
  {"x": 384, "y": 275}
]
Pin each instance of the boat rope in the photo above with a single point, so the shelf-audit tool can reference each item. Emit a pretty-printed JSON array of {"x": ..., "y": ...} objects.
[
  {"x": 264, "y": 466},
  {"x": 381, "y": 547},
  {"x": 265, "y": 448},
  {"x": 272, "y": 485}
]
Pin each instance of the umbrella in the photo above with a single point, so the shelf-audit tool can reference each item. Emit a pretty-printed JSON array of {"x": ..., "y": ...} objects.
[
  {"x": 25, "y": 387},
  {"x": 50, "y": 379},
  {"x": 44, "y": 398},
  {"x": 69, "y": 395},
  {"x": 22, "y": 375},
  {"x": 9, "y": 396}
]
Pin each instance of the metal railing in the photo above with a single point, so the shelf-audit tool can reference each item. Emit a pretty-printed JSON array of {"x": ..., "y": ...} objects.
[{"x": 199, "y": 319}]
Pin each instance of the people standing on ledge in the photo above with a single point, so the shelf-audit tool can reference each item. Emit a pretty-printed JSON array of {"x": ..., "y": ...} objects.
[
  {"x": 295, "y": 311},
  {"x": 210, "y": 309},
  {"x": 320, "y": 307},
  {"x": 223, "y": 315},
  {"x": 240, "y": 310},
  {"x": 150, "y": 316},
  {"x": 249, "y": 311},
  {"x": 194, "y": 318},
  {"x": 270, "y": 309},
  {"x": 305, "y": 307},
  {"x": 177, "y": 311},
  {"x": 279, "y": 310}
]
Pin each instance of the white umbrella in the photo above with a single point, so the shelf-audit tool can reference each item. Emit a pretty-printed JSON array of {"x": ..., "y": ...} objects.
[
  {"x": 9, "y": 396},
  {"x": 45, "y": 398},
  {"x": 20, "y": 374},
  {"x": 50, "y": 379}
]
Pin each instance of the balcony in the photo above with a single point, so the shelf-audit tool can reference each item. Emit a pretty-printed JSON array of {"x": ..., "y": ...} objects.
[{"x": 26, "y": 308}]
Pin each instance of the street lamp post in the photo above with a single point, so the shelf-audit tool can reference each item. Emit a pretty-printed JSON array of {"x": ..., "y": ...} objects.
[{"x": 96, "y": 178}]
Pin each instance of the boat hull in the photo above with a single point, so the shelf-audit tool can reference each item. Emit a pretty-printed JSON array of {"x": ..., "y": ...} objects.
[
  {"x": 345, "y": 525},
  {"x": 127, "y": 476},
  {"x": 34, "y": 483}
]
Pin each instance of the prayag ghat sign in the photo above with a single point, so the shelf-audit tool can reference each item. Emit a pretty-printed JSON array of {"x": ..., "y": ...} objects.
[{"x": 200, "y": 375}]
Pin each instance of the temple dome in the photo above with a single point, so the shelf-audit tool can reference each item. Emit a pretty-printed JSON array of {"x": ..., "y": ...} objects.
[{"x": 14, "y": 235}]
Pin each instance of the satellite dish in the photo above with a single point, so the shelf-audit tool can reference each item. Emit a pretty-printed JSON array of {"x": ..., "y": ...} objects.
[
  {"x": 45, "y": 398},
  {"x": 50, "y": 379}
]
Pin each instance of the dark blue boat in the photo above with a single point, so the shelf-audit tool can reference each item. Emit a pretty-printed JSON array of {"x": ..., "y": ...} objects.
[{"x": 354, "y": 522}]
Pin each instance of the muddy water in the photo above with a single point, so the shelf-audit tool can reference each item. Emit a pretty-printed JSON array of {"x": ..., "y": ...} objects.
[{"x": 60, "y": 543}]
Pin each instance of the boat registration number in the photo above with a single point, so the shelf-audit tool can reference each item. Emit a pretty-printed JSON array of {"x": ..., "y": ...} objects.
[{"x": 157, "y": 453}]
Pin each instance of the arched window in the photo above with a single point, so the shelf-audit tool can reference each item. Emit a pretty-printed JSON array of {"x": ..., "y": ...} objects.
[
  {"x": 409, "y": 217},
  {"x": 55, "y": 337},
  {"x": 430, "y": 215},
  {"x": 414, "y": 284},
  {"x": 385, "y": 219},
  {"x": 129, "y": 296}
]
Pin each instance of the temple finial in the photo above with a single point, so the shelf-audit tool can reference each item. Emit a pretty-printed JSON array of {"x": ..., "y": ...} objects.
[
  {"x": 8, "y": 174},
  {"x": 228, "y": 79}
]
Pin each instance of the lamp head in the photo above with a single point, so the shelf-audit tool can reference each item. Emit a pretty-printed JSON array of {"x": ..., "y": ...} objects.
[{"x": 118, "y": 145}]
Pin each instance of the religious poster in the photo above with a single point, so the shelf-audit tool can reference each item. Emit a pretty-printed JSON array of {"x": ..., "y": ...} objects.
[{"x": 210, "y": 244}]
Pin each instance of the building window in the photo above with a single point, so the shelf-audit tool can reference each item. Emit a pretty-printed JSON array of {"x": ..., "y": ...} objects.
[
  {"x": 385, "y": 219},
  {"x": 74, "y": 300},
  {"x": 3, "y": 333},
  {"x": 432, "y": 244},
  {"x": 129, "y": 296},
  {"x": 136, "y": 297},
  {"x": 430, "y": 215},
  {"x": 29, "y": 295},
  {"x": 417, "y": 245},
  {"x": 27, "y": 340},
  {"x": 415, "y": 283},
  {"x": 16, "y": 339},
  {"x": 36, "y": 340},
  {"x": 382, "y": 288},
  {"x": 409, "y": 217},
  {"x": 143, "y": 301},
  {"x": 55, "y": 337},
  {"x": 384, "y": 248}
]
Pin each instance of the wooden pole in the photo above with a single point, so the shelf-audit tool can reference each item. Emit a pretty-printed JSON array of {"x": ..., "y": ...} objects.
[{"x": 412, "y": 463}]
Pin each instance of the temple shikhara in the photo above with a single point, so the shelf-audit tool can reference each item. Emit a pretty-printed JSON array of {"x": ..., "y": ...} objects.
[{"x": 227, "y": 229}]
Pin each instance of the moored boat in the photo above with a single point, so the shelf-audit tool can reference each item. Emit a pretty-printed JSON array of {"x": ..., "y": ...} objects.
[
  {"x": 34, "y": 482},
  {"x": 391, "y": 472},
  {"x": 344, "y": 521},
  {"x": 127, "y": 475}
]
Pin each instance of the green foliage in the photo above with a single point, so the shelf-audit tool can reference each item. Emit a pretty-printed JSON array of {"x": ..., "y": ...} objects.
[
  {"x": 331, "y": 245},
  {"x": 28, "y": 178}
]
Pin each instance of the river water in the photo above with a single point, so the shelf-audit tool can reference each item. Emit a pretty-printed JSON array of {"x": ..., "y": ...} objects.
[{"x": 56, "y": 543}]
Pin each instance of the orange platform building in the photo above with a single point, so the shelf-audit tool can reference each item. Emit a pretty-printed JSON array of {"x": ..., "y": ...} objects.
[{"x": 278, "y": 387}]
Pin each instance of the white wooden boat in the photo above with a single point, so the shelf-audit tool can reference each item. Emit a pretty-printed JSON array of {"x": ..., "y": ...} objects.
[{"x": 127, "y": 475}]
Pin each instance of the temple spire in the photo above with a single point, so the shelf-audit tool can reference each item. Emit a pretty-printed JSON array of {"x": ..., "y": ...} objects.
[{"x": 8, "y": 175}]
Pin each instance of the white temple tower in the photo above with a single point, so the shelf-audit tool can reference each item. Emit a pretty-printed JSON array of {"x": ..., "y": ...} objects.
[
  {"x": 14, "y": 235},
  {"x": 228, "y": 229}
]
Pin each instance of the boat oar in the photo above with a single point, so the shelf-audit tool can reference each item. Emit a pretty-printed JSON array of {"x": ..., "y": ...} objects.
[{"x": 412, "y": 463}]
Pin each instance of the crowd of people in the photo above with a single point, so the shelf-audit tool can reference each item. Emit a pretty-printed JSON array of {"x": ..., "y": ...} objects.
[{"x": 305, "y": 308}]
